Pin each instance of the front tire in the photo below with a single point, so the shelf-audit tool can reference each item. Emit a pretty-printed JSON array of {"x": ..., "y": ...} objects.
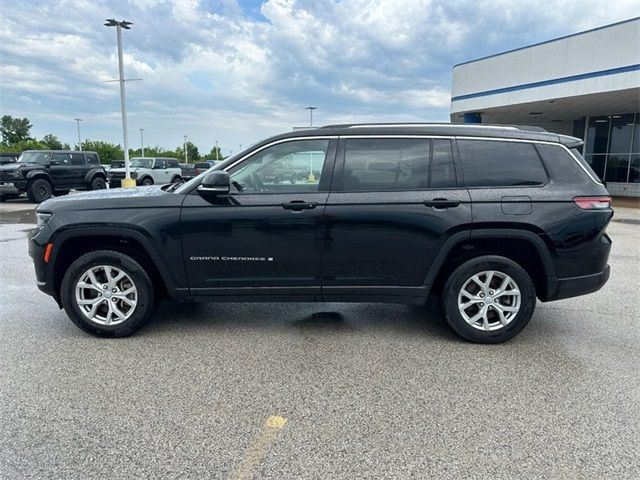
[
  {"x": 98, "y": 183},
  {"x": 107, "y": 294},
  {"x": 39, "y": 190},
  {"x": 488, "y": 299}
]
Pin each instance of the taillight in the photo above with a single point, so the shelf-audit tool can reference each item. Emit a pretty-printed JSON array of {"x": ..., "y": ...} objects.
[{"x": 592, "y": 203}]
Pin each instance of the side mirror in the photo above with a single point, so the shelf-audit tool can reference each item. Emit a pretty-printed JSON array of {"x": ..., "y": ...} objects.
[{"x": 215, "y": 183}]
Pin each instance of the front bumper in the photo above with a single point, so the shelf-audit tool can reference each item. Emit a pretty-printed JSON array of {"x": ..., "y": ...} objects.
[
  {"x": 559, "y": 288},
  {"x": 13, "y": 188},
  {"x": 43, "y": 270}
]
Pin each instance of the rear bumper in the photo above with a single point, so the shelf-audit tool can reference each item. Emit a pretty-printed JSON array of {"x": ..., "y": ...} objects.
[{"x": 559, "y": 288}]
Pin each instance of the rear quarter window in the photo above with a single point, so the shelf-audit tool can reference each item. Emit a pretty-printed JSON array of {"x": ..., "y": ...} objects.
[
  {"x": 92, "y": 158},
  {"x": 562, "y": 166},
  {"x": 172, "y": 163},
  {"x": 489, "y": 163}
]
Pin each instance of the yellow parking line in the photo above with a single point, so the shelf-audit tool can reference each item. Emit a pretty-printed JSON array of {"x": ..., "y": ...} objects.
[{"x": 258, "y": 448}]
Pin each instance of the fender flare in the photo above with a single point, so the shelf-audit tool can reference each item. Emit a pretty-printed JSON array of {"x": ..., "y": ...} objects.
[
  {"x": 93, "y": 173},
  {"x": 123, "y": 232},
  {"x": 32, "y": 174},
  {"x": 498, "y": 233}
]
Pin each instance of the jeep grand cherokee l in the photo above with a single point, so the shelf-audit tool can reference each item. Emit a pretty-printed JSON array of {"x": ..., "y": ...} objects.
[{"x": 492, "y": 217}]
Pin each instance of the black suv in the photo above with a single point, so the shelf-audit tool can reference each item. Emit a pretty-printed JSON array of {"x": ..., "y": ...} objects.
[
  {"x": 491, "y": 217},
  {"x": 43, "y": 173}
]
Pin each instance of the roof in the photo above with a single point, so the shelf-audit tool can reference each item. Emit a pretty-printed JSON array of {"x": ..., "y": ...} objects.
[{"x": 518, "y": 132}]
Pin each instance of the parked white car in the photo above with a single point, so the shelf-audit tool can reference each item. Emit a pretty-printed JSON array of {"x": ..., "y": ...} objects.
[{"x": 148, "y": 171}]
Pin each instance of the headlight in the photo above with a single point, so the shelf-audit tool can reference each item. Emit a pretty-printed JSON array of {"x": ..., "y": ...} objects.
[
  {"x": 17, "y": 173},
  {"x": 43, "y": 218}
]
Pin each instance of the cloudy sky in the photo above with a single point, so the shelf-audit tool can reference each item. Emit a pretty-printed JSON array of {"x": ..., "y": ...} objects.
[{"x": 238, "y": 71}]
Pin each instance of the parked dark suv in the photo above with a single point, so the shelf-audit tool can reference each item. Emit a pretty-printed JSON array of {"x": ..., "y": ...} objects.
[
  {"x": 491, "y": 217},
  {"x": 43, "y": 173}
]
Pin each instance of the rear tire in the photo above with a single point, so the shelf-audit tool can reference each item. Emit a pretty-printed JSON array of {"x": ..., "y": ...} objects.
[
  {"x": 39, "y": 190},
  {"x": 98, "y": 183},
  {"x": 146, "y": 181},
  {"x": 488, "y": 299},
  {"x": 101, "y": 323},
  {"x": 177, "y": 179}
]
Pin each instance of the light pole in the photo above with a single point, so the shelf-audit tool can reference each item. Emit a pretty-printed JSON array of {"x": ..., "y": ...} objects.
[
  {"x": 127, "y": 182},
  {"x": 142, "y": 141},
  {"x": 184, "y": 146},
  {"x": 217, "y": 158},
  {"x": 78, "y": 120},
  {"x": 311, "y": 109}
]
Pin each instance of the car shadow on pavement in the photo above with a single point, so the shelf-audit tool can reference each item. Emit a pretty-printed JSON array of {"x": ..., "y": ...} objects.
[{"x": 340, "y": 318}]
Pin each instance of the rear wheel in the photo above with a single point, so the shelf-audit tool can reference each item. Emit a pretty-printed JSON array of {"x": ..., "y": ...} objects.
[
  {"x": 108, "y": 294},
  {"x": 98, "y": 183},
  {"x": 147, "y": 181},
  {"x": 39, "y": 190},
  {"x": 177, "y": 179},
  {"x": 489, "y": 299}
]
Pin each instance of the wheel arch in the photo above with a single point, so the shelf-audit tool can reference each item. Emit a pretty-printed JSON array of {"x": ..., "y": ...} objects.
[
  {"x": 522, "y": 246},
  {"x": 94, "y": 173},
  {"x": 70, "y": 245},
  {"x": 35, "y": 174}
]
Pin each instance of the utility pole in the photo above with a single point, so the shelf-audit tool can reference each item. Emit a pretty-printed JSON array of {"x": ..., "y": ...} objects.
[
  {"x": 217, "y": 156},
  {"x": 78, "y": 120},
  {"x": 184, "y": 146},
  {"x": 142, "y": 141},
  {"x": 311, "y": 109},
  {"x": 127, "y": 182}
]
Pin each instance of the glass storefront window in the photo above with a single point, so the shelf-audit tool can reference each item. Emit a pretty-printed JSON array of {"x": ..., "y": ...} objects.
[
  {"x": 636, "y": 135},
  {"x": 598, "y": 135},
  {"x": 617, "y": 168},
  {"x": 621, "y": 133},
  {"x": 597, "y": 163},
  {"x": 634, "y": 170}
]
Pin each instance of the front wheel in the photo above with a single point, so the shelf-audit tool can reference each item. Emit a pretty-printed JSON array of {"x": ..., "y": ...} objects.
[
  {"x": 108, "y": 294},
  {"x": 488, "y": 299},
  {"x": 98, "y": 183},
  {"x": 39, "y": 190}
]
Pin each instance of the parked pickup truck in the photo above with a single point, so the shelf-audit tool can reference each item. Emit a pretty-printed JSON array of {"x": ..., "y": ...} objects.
[{"x": 148, "y": 171}]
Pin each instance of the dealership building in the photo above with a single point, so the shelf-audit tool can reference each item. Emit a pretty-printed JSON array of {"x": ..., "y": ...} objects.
[{"x": 586, "y": 85}]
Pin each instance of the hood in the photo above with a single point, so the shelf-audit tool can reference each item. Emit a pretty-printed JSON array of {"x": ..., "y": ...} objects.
[
  {"x": 113, "y": 198},
  {"x": 12, "y": 167}
]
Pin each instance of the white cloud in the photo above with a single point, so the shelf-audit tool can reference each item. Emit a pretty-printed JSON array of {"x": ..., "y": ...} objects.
[{"x": 218, "y": 69}]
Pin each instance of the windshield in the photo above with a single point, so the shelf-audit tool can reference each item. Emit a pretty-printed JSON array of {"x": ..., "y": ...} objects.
[
  {"x": 141, "y": 162},
  {"x": 34, "y": 157}
]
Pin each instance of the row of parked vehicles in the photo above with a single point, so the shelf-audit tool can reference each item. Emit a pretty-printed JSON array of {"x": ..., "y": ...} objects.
[{"x": 42, "y": 174}]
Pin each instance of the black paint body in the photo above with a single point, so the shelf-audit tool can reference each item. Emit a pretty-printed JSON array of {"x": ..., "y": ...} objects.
[{"x": 351, "y": 246}]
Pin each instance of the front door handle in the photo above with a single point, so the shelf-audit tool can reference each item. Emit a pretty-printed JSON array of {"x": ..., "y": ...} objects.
[
  {"x": 299, "y": 205},
  {"x": 441, "y": 203}
]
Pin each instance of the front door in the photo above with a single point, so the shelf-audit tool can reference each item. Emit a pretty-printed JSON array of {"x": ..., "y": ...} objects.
[
  {"x": 264, "y": 237},
  {"x": 394, "y": 203}
]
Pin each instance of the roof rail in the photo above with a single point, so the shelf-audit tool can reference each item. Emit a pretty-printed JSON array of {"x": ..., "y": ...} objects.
[{"x": 451, "y": 125}]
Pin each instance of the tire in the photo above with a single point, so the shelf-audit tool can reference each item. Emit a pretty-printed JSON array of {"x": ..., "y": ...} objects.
[
  {"x": 3, "y": 198},
  {"x": 146, "y": 181},
  {"x": 137, "y": 315},
  {"x": 177, "y": 179},
  {"x": 39, "y": 190},
  {"x": 98, "y": 183},
  {"x": 60, "y": 193},
  {"x": 488, "y": 327}
]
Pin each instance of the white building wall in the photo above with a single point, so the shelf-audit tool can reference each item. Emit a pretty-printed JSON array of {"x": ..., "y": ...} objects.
[{"x": 607, "y": 48}]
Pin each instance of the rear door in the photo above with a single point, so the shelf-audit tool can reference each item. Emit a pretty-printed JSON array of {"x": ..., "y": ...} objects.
[
  {"x": 393, "y": 203},
  {"x": 78, "y": 169}
]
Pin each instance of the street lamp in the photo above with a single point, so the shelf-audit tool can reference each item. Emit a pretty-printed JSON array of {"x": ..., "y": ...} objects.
[
  {"x": 311, "y": 109},
  {"x": 127, "y": 182},
  {"x": 217, "y": 151},
  {"x": 142, "y": 141},
  {"x": 184, "y": 146},
  {"x": 78, "y": 120}
]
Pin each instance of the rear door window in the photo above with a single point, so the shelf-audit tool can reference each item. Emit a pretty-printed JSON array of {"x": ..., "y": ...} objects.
[
  {"x": 172, "y": 163},
  {"x": 385, "y": 164},
  {"x": 488, "y": 163}
]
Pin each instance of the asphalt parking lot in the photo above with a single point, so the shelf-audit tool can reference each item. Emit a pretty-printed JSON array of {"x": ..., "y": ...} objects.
[{"x": 319, "y": 390}]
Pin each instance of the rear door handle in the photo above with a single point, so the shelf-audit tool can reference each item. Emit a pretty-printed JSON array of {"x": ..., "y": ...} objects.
[
  {"x": 441, "y": 203},
  {"x": 299, "y": 205}
]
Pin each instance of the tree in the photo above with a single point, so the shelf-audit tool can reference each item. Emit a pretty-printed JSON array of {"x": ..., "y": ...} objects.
[
  {"x": 52, "y": 142},
  {"x": 107, "y": 151},
  {"x": 14, "y": 130},
  {"x": 193, "y": 154},
  {"x": 215, "y": 154}
]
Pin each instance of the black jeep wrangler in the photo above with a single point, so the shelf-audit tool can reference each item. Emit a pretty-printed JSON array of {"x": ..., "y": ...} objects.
[
  {"x": 43, "y": 173},
  {"x": 492, "y": 218}
]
